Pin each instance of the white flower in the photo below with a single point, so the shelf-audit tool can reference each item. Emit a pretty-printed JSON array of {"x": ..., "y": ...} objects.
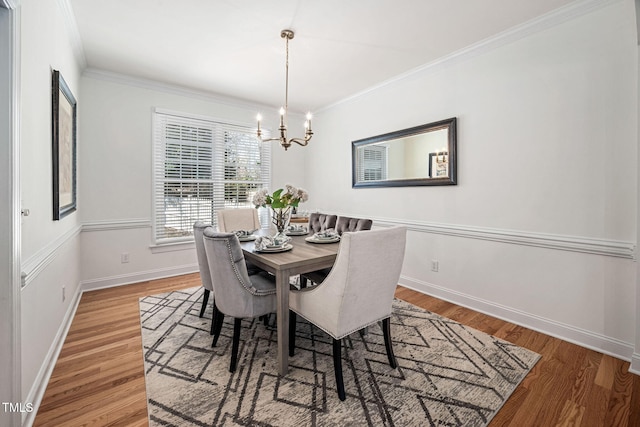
[
  {"x": 302, "y": 195},
  {"x": 260, "y": 198}
]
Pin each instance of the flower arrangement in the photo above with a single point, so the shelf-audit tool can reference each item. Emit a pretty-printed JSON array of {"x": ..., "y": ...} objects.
[
  {"x": 281, "y": 201},
  {"x": 290, "y": 196}
]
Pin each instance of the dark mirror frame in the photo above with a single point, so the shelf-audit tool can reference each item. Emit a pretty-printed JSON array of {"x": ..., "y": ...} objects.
[{"x": 449, "y": 124}]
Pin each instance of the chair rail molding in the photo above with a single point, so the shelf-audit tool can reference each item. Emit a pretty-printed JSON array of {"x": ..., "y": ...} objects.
[
  {"x": 605, "y": 247},
  {"x": 33, "y": 266},
  {"x": 118, "y": 224}
]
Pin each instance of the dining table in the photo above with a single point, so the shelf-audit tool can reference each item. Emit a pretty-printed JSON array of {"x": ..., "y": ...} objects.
[{"x": 303, "y": 257}]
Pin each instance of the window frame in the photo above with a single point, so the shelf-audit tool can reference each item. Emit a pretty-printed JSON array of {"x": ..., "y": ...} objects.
[{"x": 220, "y": 133}]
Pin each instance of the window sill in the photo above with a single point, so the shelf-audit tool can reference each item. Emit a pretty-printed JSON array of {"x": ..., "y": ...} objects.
[{"x": 172, "y": 247}]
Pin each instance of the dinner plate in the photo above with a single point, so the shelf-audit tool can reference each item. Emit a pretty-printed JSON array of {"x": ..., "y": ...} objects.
[
  {"x": 284, "y": 248},
  {"x": 296, "y": 232},
  {"x": 312, "y": 239},
  {"x": 248, "y": 238}
]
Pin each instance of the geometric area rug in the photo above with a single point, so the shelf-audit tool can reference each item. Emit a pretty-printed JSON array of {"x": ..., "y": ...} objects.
[{"x": 448, "y": 374}]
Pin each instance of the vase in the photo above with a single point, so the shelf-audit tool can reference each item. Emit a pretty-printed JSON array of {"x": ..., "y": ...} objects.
[{"x": 281, "y": 218}]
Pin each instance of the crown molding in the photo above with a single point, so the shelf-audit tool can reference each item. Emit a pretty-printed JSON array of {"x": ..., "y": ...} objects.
[
  {"x": 541, "y": 23},
  {"x": 124, "y": 79},
  {"x": 9, "y": 4},
  {"x": 72, "y": 30}
]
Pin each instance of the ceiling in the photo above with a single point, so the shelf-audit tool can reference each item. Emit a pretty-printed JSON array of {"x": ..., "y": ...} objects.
[{"x": 233, "y": 47}]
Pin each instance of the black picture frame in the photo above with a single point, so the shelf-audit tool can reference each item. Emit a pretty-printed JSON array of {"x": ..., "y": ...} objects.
[{"x": 64, "y": 150}]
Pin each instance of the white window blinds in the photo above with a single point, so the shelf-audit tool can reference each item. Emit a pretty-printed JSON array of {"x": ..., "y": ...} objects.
[
  {"x": 201, "y": 166},
  {"x": 372, "y": 163}
]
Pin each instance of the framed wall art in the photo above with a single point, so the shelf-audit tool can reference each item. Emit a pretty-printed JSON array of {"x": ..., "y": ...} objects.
[
  {"x": 64, "y": 147},
  {"x": 439, "y": 164}
]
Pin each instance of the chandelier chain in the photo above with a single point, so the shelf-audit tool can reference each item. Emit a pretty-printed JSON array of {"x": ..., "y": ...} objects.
[{"x": 284, "y": 141}]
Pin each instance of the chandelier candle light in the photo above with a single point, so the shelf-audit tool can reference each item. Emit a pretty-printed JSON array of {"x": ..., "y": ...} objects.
[{"x": 284, "y": 142}]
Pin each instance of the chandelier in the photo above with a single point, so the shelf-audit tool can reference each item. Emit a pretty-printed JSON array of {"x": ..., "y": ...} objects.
[{"x": 282, "y": 139}]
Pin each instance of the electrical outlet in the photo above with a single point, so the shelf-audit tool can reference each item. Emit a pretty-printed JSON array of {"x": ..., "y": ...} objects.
[
  {"x": 64, "y": 293},
  {"x": 124, "y": 257},
  {"x": 434, "y": 265}
]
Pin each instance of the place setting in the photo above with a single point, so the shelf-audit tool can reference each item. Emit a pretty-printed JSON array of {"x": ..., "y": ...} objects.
[
  {"x": 276, "y": 243},
  {"x": 297, "y": 230},
  {"x": 327, "y": 236},
  {"x": 245, "y": 235}
]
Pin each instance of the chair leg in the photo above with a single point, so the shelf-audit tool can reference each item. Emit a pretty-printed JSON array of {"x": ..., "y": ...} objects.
[
  {"x": 213, "y": 317},
  {"x": 236, "y": 343},
  {"x": 205, "y": 298},
  {"x": 386, "y": 330},
  {"x": 292, "y": 332},
  {"x": 337, "y": 367},
  {"x": 218, "y": 319},
  {"x": 303, "y": 282}
]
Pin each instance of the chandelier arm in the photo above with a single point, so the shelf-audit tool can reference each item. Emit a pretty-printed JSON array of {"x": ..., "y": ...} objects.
[
  {"x": 270, "y": 139},
  {"x": 299, "y": 141}
]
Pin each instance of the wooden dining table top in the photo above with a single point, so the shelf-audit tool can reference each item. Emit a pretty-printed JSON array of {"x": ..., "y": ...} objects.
[
  {"x": 304, "y": 257},
  {"x": 301, "y": 258}
]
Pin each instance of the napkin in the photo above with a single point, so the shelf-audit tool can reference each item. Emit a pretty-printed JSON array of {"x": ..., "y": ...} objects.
[
  {"x": 264, "y": 242},
  {"x": 327, "y": 234},
  {"x": 243, "y": 233},
  {"x": 297, "y": 228}
]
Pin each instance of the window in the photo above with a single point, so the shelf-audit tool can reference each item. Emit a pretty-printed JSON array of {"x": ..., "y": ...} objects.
[
  {"x": 201, "y": 166},
  {"x": 372, "y": 163}
]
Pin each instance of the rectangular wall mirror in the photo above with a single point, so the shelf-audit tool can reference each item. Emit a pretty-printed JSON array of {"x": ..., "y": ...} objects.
[{"x": 421, "y": 155}]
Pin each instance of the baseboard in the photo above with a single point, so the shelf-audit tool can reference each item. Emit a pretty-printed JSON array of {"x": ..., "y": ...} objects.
[
  {"x": 635, "y": 364},
  {"x": 600, "y": 343},
  {"x": 41, "y": 381},
  {"x": 141, "y": 276}
]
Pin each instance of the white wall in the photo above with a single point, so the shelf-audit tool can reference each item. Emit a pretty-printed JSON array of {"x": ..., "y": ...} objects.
[
  {"x": 547, "y": 166},
  {"x": 115, "y": 181},
  {"x": 50, "y": 251}
]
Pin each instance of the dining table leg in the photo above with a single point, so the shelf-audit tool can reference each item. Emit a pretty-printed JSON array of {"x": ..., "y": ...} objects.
[{"x": 282, "y": 311}]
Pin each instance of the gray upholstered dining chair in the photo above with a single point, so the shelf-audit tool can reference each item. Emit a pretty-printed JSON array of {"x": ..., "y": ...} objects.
[
  {"x": 236, "y": 293},
  {"x": 357, "y": 293},
  {"x": 203, "y": 265},
  {"x": 230, "y": 220},
  {"x": 321, "y": 222},
  {"x": 343, "y": 224}
]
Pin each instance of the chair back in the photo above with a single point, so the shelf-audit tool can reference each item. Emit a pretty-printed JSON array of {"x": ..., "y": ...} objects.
[
  {"x": 234, "y": 291},
  {"x": 359, "y": 290},
  {"x": 344, "y": 223},
  {"x": 230, "y": 220},
  {"x": 320, "y": 222},
  {"x": 205, "y": 275}
]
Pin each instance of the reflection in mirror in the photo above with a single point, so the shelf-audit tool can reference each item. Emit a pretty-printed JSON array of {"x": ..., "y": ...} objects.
[{"x": 422, "y": 155}]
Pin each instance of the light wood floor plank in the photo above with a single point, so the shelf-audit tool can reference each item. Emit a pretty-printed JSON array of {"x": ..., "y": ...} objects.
[{"x": 98, "y": 379}]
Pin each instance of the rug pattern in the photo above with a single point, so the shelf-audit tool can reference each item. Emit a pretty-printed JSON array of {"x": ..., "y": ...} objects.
[{"x": 448, "y": 374}]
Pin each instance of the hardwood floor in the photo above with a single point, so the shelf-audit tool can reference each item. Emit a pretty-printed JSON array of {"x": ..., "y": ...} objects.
[{"x": 98, "y": 379}]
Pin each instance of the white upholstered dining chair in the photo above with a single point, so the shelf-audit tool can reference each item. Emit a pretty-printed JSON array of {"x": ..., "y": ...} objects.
[
  {"x": 245, "y": 219},
  {"x": 343, "y": 224},
  {"x": 358, "y": 292}
]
